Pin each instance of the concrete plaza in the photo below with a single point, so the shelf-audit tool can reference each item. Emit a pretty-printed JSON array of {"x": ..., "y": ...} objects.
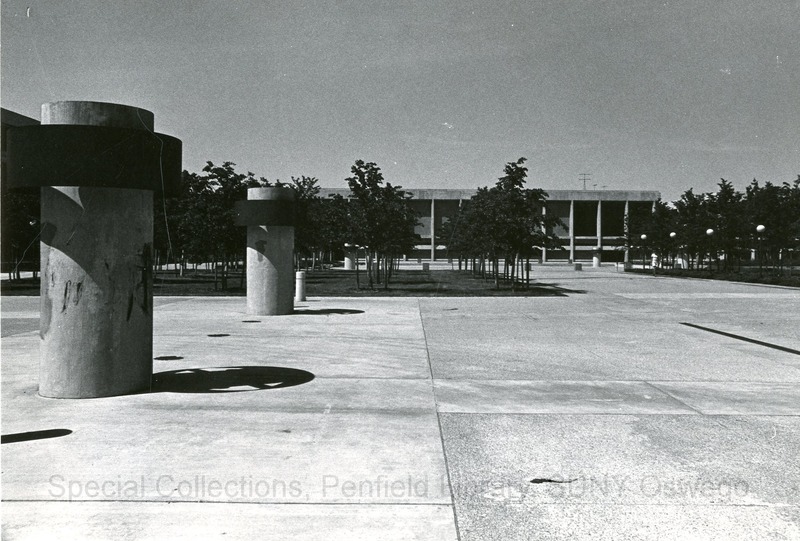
[{"x": 613, "y": 409}]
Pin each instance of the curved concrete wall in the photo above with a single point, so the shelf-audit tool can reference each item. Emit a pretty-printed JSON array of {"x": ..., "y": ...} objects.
[
  {"x": 270, "y": 253},
  {"x": 96, "y": 321}
]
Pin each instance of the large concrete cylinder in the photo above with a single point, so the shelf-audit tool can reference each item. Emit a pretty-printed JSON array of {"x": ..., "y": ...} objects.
[
  {"x": 270, "y": 253},
  {"x": 96, "y": 321}
]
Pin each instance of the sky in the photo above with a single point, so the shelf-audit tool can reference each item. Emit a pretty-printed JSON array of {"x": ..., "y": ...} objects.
[{"x": 640, "y": 95}]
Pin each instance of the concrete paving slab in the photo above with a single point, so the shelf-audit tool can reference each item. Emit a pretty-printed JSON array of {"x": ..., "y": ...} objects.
[
  {"x": 610, "y": 397},
  {"x": 736, "y": 398},
  {"x": 266, "y": 458},
  {"x": 157, "y": 521},
  {"x": 367, "y": 338},
  {"x": 353, "y": 357},
  {"x": 523, "y": 476},
  {"x": 19, "y": 325},
  {"x": 321, "y": 440},
  {"x": 582, "y": 522},
  {"x": 563, "y": 346},
  {"x": 18, "y": 306}
]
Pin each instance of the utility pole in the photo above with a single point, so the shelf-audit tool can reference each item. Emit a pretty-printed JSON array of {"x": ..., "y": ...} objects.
[{"x": 584, "y": 177}]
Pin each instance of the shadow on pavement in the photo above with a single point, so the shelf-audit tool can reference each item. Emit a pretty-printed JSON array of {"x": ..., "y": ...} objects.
[
  {"x": 559, "y": 290},
  {"x": 326, "y": 312},
  {"x": 230, "y": 379},
  {"x": 35, "y": 435}
]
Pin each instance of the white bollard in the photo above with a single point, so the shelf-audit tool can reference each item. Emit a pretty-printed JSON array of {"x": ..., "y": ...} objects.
[{"x": 299, "y": 286}]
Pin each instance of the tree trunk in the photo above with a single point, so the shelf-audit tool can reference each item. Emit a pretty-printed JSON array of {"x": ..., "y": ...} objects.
[
  {"x": 224, "y": 272},
  {"x": 358, "y": 282},
  {"x": 527, "y": 273},
  {"x": 513, "y": 273},
  {"x": 214, "y": 264},
  {"x": 370, "y": 264}
]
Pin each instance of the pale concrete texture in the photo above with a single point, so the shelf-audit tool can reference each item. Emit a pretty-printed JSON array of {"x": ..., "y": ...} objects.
[
  {"x": 270, "y": 256},
  {"x": 107, "y": 520},
  {"x": 517, "y": 477},
  {"x": 96, "y": 254},
  {"x": 595, "y": 415}
]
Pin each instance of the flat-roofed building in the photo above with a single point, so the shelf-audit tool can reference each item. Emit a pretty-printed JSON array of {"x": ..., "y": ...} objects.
[
  {"x": 10, "y": 119},
  {"x": 593, "y": 219}
]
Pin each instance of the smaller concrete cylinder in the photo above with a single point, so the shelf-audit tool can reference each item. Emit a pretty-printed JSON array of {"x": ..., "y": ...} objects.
[
  {"x": 270, "y": 252},
  {"x": 300, "y": 286},
  {"x": 596, "y": 258}
]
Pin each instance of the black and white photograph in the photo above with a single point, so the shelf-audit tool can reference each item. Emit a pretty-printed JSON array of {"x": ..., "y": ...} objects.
[{"x": 395, "y": 271}]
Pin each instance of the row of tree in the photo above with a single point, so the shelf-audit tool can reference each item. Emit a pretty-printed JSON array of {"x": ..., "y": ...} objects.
[
  {"x": 198, "y": 224},
  {"x": 375, "y": 220},
  {"x": 504, "y": 222},
  {"x": 725, "y": 227}
]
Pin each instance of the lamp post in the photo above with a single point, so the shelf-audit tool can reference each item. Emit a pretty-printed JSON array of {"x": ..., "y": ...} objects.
[
  {"x": 712, "y": 254},
  {"x": 644, "y": 254},
  {"x": 760, "y": 230},
  {"x": 673, "y": 248}
]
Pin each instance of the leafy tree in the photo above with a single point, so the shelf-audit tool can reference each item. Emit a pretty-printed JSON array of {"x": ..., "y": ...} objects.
[
  {"x": 727, "y": 209},
  {"x": 205, "y": 216},
  {"x": 777, "y": 208},
  {"x": 505, "y": 221},
  {"x": 657, "y": 226},
  {"x": 20, "y": 230},
  {"x": 168, "y": 243},
  {"x": 332, "y": 223},
  {"x": 694, "y": 218},
  {"x": 307, "y": 232},
  {"x": 380, "y": 219}
]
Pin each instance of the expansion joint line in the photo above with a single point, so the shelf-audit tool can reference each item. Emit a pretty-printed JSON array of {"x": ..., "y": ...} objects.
[{"x": 439, "y": 421}]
